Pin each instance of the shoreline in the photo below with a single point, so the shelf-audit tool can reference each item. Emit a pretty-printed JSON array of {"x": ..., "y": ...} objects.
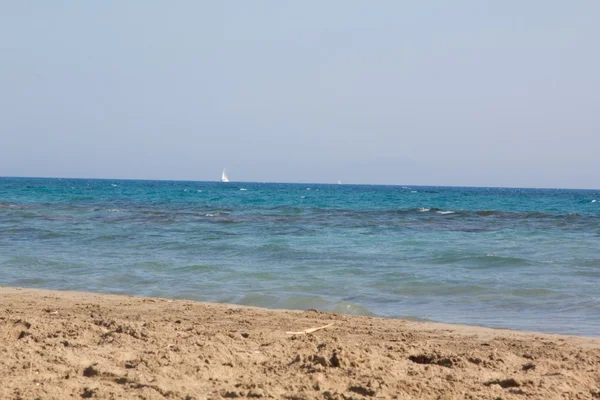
[
  {"x": 410, "y": 318},
  {"x": 431, "y": 323},
  {"x": 63, "y": 344}
]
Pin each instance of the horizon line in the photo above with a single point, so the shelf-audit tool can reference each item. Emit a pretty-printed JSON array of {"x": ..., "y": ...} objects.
[{"x": 300, "y": 183}]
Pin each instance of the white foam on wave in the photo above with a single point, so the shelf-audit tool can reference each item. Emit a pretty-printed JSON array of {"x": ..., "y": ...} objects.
[
  {"x": 445, "y": 212},
  {"x": 593, "y": 201},
  {"x": 212, "y": 215},
  {"x": 423, "y": 209},
  {"x": 113, "y": 185},
  {"x": 244, "y": 189},
  {"x": 115, "y": 210},
  {"x": 413, "y": 191}
]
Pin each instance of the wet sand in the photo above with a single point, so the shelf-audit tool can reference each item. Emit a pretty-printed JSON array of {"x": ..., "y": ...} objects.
[{"x": 58, "y": 345}]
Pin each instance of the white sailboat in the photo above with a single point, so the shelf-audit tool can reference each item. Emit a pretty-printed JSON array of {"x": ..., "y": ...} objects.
[{"x": 224, "y": 177}]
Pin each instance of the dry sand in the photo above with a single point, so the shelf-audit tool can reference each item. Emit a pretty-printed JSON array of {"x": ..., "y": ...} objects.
[{"x": 57, "y": 345}]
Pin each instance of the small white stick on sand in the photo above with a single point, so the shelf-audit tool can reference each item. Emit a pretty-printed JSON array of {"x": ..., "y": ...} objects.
[{"x": 310, "y": 330}]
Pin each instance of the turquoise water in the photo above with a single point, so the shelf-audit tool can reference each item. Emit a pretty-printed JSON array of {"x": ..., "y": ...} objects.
[{"x": 525, "y": 259}]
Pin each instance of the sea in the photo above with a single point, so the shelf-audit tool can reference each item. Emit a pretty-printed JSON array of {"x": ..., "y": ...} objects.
[{"x": 523, "y": 259}]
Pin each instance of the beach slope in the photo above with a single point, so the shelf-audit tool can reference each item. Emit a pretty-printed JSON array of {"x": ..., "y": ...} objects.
[{"x": 58, "y": 345}]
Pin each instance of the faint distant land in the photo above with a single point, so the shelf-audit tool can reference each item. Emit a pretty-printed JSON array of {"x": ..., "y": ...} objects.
[{"x": 224, "y": 177}]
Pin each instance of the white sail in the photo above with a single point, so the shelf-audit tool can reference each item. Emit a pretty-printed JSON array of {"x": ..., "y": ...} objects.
[{"x": 224, "y": 177}]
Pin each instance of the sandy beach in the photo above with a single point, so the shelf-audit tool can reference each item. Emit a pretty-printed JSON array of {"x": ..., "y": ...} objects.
[{"x": 58, "y": 345}]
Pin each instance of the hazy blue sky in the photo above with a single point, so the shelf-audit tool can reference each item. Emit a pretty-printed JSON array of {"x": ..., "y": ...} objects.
[{"x": 479, "y": 93}]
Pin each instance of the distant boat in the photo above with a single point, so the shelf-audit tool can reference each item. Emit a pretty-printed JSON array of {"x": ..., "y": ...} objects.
[
  {"x": 224, "y": 177},
  {"x": 339, "y": 182}
]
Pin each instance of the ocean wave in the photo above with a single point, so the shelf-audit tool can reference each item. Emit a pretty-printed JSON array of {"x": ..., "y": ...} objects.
[
  {"x": 409, "y": 218},
  {"x": 481, "y": 262},
  {"x": 199, "y": 268},
  {"x": 17, "y": 206},
  {"x": 427, "y": 289},
  {"x": 32, "y": 282},
  {"x": 217, "y": 214},
  {"x": 151, "y": 264},
  {"x": 108, "y": 238},
  {"x": 258, "y": 300},
  {"x": 485, "y": 213},
  {"x": 351, "y": 309},
  {"x": 30, "y": 233},
  {"x": 349, "y": 213},
  {"x": 55, "y": 217},
  {"x": 537, "y": 293},
  {"x": 53, "y": 235}
]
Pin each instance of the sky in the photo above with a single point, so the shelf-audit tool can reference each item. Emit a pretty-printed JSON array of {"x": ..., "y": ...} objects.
[{"x": 461, "y": 93}]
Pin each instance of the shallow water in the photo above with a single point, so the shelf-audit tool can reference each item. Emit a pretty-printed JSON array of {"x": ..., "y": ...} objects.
[{"x": 525, "y": 259}]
